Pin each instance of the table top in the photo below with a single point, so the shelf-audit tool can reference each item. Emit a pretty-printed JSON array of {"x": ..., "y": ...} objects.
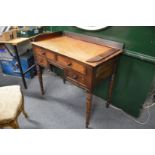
[
  {"x": 19, "y": 40},
  {"x": 15, "y": 41},
  {"x": 74, "y": 48}
]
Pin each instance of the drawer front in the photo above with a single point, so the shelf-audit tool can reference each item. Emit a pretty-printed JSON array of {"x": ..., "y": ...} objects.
[
  {"x": 39, "y": 51},
  {"x": 75, "y": 77},
  {"x": 41, "y": 61},
  {"x": 50, "y": 55},
  {"x": 72, "y": 64}
]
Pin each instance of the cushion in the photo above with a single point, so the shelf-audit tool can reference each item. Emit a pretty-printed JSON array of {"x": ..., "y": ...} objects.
[{"x": 10, "y": 102}]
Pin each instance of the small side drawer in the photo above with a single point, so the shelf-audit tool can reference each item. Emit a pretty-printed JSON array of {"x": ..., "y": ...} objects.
[
  {"x": 75, "y": 77},
  {"x": 79, "y": 67},
  {"x": 41, "y": 61},
  {"x": 105, "y": 70},
  {"x": 50, "y": 55}
]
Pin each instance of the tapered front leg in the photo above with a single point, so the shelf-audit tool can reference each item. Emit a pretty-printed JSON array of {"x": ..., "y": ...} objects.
[
  {"x": 24, "y": 113},
  {"x": 39, "y": 72},
  {"x": 88, "y": 107},
  {"x": 23, "y": 108}
]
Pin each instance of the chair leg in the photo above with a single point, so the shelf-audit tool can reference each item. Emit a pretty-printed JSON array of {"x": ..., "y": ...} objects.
[
  {"x": 24, "y": 113},
  {"x": 23, "y": 108},
  {"x": 14, "y": 124}
]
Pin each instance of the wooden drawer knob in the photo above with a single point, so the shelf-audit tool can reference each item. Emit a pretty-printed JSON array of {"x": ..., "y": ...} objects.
[
  {"x": 69, "y": 64},
  {"x": 75, "y": 77}
]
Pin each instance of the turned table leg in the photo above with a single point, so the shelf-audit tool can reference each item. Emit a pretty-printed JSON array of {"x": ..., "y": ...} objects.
[
  {"x": 64, "y": 77},
  {"x": 39, "y": 72},
  {"x": 111, "y": 85},
  {"x": 88, "y": 107},
  {"x": 24, "y": 113}
]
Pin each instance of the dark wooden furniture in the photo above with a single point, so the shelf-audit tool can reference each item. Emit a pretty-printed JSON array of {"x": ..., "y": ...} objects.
[{"x": 86, "y": 60}]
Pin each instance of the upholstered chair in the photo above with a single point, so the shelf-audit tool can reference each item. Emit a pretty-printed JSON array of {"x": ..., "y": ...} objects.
[{"x": 11, "y": 105}]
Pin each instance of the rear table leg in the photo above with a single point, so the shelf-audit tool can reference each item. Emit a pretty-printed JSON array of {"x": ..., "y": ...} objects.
[
  {"x": 111, "y": 85},
  {"x": 24, "y": 113}
]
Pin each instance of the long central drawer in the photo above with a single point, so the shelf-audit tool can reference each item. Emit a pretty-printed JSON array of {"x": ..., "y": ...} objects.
[
  {"x": 44, "y": 56},
  {"x": 71, "y": 64}
]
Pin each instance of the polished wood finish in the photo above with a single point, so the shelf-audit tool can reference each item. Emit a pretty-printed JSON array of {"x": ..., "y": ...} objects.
[
  {"x": 42, "y": 60},
  {"x": 111, "y": 85},
  {"x": 88, "y": 107},
  {"x": 103, "y": 55},
  {"x": 39, "y": 72},
  {"x": 75, "y": 49},
  {"x": 85, "y": 60},
  {"x": 93, "y": 39},
  {"x": 72, "y": 64},
  {"x": 50, "y": 55},
  {"x": 75, "y": 77},
  {"x": 104, "y": 70}
]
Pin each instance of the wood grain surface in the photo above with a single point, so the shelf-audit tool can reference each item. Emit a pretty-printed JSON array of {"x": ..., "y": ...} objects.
[{"x": 74, "y": 48}]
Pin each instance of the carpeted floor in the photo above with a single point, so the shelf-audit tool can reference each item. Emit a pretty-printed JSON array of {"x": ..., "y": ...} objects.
[{"x": 63, "y": 107}]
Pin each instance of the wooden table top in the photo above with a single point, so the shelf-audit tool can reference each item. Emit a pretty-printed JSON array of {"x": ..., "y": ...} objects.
[
  {"x": 75, "y": 48},
  {"x": 15, "y": 41},
  {"x": 19, "y": 40}
]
